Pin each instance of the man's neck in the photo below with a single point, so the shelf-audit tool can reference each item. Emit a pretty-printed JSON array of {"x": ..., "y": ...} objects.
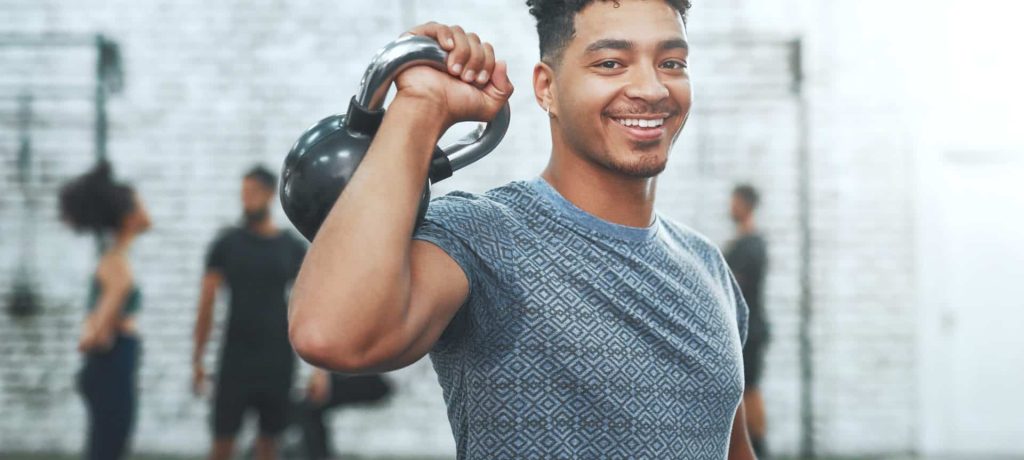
[
  {"x": 264, "y": 227},
  {"x": 608, "y": 195},
  {"x": 746, "y": 227}
]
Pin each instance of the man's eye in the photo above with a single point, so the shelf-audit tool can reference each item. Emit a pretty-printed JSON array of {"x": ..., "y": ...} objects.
[
  {"x": 674, "y": 65},
  {"x": 609, "y": 65}
]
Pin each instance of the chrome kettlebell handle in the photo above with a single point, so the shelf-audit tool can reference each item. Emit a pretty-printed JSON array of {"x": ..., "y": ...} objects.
[{"x": 412, "y": 50}]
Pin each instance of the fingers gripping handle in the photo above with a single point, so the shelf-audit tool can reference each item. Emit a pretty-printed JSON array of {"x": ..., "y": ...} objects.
[
  {"x": 413, "y": 50},
  {"x": 408, "y": 51}
]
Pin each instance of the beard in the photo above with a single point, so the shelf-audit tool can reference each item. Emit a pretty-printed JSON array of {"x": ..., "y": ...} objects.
[
  {"x": 254, "y": 217},
  {"x": 640, "y": 165},
  {"x": 642, "y": 162}
]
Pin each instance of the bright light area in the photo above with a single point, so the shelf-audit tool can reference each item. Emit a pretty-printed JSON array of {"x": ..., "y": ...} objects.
[{"x": 983, "y": 107}]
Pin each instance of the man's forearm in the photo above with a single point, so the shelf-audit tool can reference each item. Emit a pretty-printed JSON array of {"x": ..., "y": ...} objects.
[
  {"x": 739, "y": 440},
  {"x": 201, "y": 333},
  {"x": 365, "y": 238}
]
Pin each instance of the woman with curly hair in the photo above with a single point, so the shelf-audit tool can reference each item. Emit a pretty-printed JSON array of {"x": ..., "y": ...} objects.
[{"x": 93, "y": 202}]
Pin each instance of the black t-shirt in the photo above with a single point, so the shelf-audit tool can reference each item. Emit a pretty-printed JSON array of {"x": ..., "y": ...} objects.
[
  {"x": 747, "y": 256},
  {"x": 258, "y": 271}
]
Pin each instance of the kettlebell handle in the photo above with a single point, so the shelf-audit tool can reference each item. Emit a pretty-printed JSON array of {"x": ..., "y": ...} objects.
[{"x": 413, "y": 50}]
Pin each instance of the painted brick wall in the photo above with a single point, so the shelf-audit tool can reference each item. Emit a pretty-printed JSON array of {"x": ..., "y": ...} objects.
[{"x": 213, "y": 87}]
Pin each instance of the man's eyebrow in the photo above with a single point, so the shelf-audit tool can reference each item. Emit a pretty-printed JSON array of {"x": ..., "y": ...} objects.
[
  {"x": 675, "y": 43},
  {"x": 609, "y": 44},
  {"x": 626, "y": 45}
]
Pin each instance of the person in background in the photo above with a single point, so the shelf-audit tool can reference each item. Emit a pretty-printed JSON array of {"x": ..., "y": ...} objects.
[
  {"x": 747, "y": 256},
  {"x": 257, "y": 262},
  {"x": 328, "y": 391},
  {"x": 109, "y": 338}
]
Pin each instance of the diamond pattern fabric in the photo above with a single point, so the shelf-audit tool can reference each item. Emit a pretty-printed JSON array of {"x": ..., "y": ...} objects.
[{"x": 583, "y": 339}]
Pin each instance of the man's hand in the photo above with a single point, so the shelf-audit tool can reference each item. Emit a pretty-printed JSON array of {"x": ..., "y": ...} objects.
[
  {"x": 198, "y": 379},
  {"x": 475, "y": 87},
  {"x": 319, "y": 389}
]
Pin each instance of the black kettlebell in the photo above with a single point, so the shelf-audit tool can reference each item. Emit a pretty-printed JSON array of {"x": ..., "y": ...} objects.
[{"x": 322, "y": 161}]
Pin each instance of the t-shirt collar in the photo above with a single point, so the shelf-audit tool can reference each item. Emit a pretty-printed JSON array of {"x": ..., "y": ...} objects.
[{"x": 589, "y": 221}]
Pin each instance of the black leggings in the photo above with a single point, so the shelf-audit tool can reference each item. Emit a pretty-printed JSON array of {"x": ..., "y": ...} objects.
[{"x": 107, "y": 383}]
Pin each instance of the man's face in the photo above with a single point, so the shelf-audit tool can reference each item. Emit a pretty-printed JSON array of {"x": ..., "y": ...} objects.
[
  {"x": 622, "y": 87},
  {"x": 255, "y": 196},
  {"x": 739, "y": 209}
]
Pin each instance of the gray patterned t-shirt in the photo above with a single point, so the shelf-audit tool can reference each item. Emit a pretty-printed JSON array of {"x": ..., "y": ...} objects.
[{"x": 581, "y": 338}]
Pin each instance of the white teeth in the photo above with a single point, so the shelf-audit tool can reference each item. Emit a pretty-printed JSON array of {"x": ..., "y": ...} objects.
[{"x": 641, "y": 123}]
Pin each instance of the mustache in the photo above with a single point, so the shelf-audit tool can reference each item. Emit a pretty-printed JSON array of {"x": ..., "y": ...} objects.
[{"x": 662, "y": 108}]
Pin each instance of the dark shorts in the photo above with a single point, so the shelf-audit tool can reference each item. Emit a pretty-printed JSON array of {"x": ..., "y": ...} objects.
[
  {"x": 753, "y": 362},
  {"x": 234, "y": 399}
]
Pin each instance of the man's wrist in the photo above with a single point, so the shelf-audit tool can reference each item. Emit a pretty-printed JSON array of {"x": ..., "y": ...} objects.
[{"x": 427, "y": 115}]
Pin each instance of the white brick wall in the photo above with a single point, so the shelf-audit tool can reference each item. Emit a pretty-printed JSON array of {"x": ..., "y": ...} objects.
[{"x": 213, "y": 87}]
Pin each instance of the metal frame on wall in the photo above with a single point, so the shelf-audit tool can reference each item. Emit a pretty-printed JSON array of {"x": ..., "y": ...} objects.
[
  {"x": 109, "y": 74},
  {"x": 108, "y": 80}
]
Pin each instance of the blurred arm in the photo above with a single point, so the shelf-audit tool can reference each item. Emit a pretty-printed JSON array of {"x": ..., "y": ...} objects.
[
  {"x": 204, "y": 314},
  {"x": 739, "y": 441}
]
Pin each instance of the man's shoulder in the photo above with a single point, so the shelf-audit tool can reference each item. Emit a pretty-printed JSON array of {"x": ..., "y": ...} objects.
[
  {"x": 750, "y": 246},
  {"x": 494, "y": 203},
  {"x": 694, "y": 242},
  {"x": 293, "y": 238},
  {"x": 686, "y": 235},
  {"x": 226, "y": 233},
  {"x": 757, "y": 240}
]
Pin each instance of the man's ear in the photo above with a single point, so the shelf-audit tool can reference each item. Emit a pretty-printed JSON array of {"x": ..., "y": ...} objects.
[{"x": 544, "y": 88}]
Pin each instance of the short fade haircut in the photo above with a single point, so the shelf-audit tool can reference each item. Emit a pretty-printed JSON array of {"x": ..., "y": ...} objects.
[
  {"x": 556, "y": 23},
  {"x": 262, "y": 175},
  {"x": 748, "y": 194}
]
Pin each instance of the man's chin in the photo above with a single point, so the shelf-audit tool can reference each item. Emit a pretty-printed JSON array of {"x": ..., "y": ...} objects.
[{"x": 642, "y": 168}]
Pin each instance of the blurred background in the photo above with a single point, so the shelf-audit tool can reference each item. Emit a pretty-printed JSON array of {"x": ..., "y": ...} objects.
[{"x": 886, "y": 137}]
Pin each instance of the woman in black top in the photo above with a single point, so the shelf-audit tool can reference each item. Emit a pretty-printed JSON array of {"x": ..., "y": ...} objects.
[{"x": 93, "y": 202}]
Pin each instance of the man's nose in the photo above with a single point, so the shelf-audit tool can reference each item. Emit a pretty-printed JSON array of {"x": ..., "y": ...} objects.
[{"x": 645, "y": 84}]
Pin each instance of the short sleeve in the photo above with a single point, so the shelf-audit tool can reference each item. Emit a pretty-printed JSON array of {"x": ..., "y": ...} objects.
[
  {"x": 216, "y": 254},
  {"x": 464, "y": 227},
  {"x": 454, "y": 223}
]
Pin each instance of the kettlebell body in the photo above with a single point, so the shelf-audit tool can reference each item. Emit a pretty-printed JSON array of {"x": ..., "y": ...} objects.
[
  {"x": 322, "y": 161},
  {"x": 319, "y": 168}
]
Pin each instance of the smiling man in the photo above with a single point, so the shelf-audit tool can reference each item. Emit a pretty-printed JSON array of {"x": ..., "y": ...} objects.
[{"x": 565, "y": 317}]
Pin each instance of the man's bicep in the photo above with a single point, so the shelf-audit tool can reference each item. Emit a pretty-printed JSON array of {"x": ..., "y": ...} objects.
[
  {"x": 438, "y": 289},
  {"x": 212, "y": 280}
]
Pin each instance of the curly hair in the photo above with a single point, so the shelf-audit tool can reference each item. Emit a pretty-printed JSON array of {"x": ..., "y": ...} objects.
[
  {"x": 94, "y": 202},
  {"x": 556, "y": 27}
]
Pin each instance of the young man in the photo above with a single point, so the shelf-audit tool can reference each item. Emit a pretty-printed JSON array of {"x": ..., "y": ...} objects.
[
  {"x": 747, "y": 256},
  {"x": 564, "y": 317},
  {"x": 257, "y": 262}
]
